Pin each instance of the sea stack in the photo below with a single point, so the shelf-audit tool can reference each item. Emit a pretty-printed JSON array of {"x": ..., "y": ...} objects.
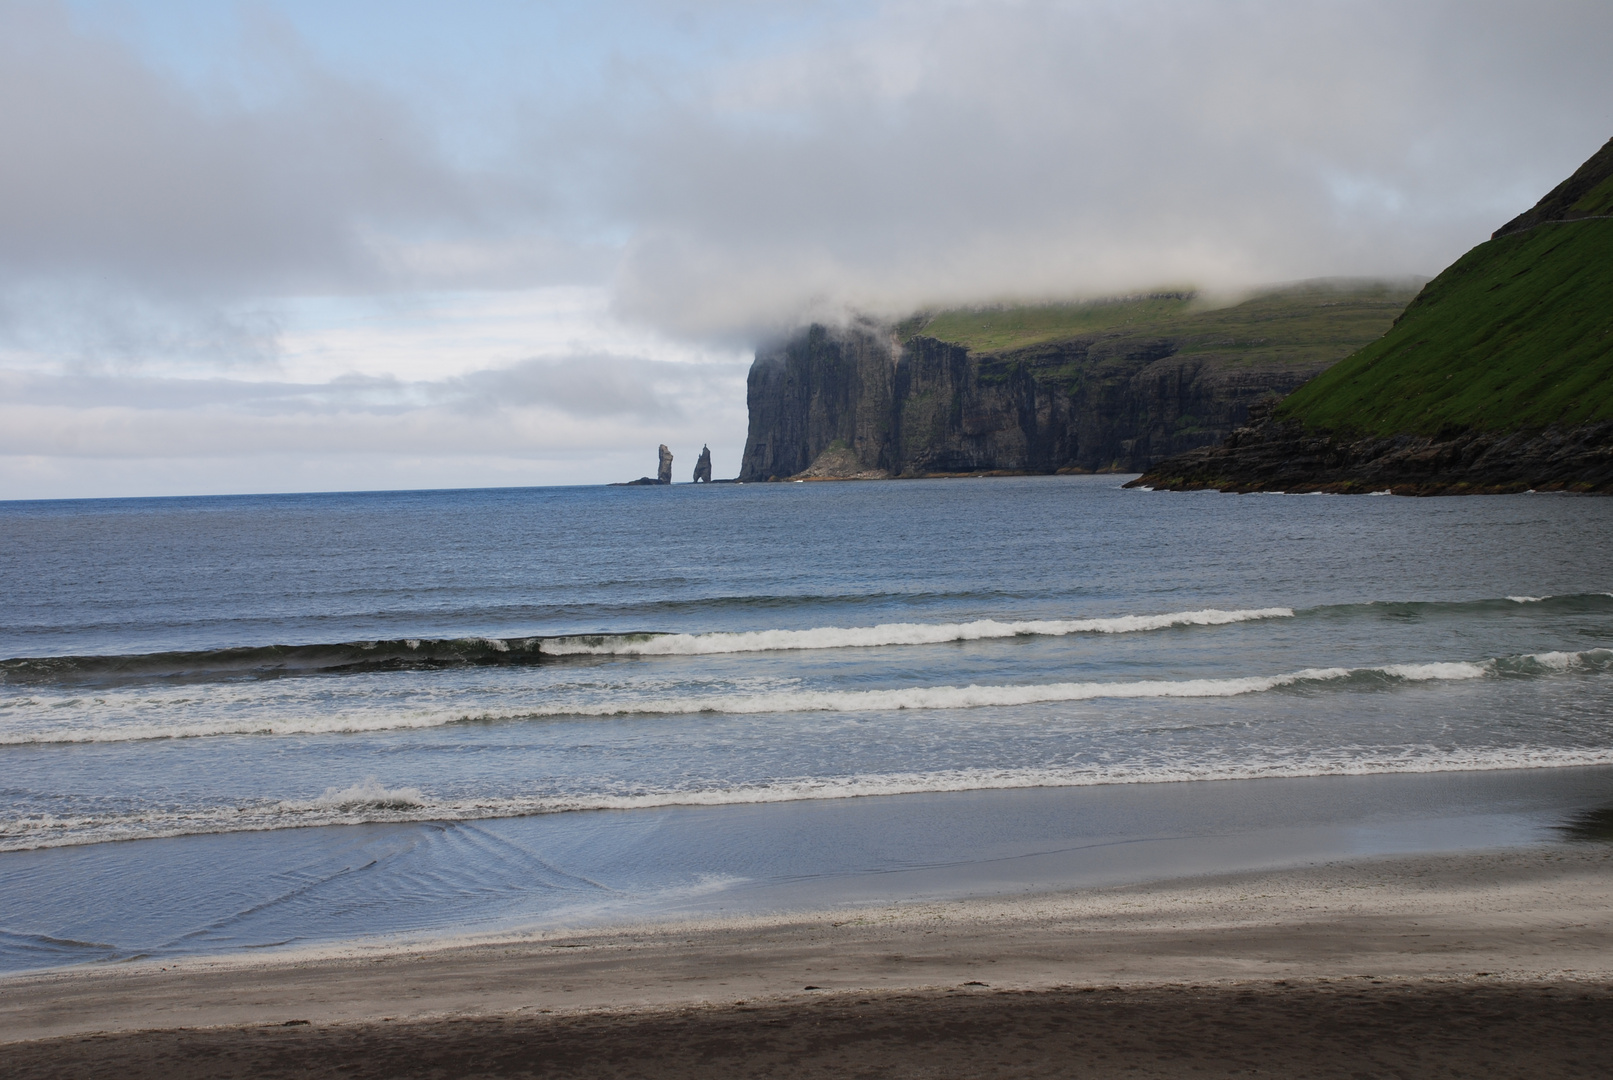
[
  {"x": 702, "y": 468},
  {"x": 664, "y": 476}
]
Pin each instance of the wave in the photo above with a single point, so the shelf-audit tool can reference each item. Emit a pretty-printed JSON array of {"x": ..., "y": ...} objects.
[
  {"x": 420, "y": 653},
  {"x": 370, "y": 802},
  {"x": 890, "y": 700},
  {"x": 974, "y": 696},
  {"x": 838, "y": 637},
  {"x": 394, "y": 655}
]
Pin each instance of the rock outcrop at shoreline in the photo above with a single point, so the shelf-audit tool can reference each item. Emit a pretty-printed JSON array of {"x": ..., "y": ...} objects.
[
  {"x": 1277, "y": 455},
  {"x": 1157, "y": 377}
]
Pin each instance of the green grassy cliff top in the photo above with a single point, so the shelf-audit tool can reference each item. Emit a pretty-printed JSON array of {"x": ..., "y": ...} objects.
[
  {"x": 1307, "y": 315},
  {"x": 1012, "y": 326}
]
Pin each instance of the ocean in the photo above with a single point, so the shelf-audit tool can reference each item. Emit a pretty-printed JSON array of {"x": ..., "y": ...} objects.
[{"x": 284, "y": 721}]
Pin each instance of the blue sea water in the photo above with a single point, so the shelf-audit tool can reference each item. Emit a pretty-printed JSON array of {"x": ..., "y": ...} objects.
[{"x": 258, "y": 721}]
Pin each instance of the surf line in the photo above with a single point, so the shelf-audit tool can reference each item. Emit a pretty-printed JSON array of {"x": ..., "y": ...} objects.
[
  {"x": 842, "y": 637},
  {"x": 415, "y": 653}
]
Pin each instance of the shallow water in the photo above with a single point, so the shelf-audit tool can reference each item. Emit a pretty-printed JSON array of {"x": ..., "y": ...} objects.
[{"x": 210, "y": 674}]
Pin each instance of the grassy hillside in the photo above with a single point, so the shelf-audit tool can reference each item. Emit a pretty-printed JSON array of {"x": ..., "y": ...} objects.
[
  {"x": 1518, "y": 333},
  {"x": 1313, "y": 322}
]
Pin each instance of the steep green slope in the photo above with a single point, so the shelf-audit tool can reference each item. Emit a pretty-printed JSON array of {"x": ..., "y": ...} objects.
[{"x": 1518, "y": 333}]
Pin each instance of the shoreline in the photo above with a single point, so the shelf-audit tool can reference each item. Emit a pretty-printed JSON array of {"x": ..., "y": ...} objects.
[
  {"x": 281, "y": 895},
  {"x": 1541, "y": 915}
]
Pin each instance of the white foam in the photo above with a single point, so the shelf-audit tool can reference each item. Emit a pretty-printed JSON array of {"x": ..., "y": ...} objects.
[
  {"x": 1589, "y": 660},
  {"x": 1526, "y": 599},
  {"x": 766, "y": 702},
  {"x": 975, "y": 696},
  {"x": 842, "y": 637},
  {"x": 336, "y": 808},
  {"x": 367, "y": 793},
  {"x": 1445, "y": 670},
  {"x": 782, "y": 701}
]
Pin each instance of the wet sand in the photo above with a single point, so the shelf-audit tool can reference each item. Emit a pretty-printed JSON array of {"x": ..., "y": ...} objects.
[{"x": 1498, "y": 963}]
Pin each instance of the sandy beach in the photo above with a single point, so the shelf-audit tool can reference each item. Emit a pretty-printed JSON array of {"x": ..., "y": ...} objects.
[{"x": 1426, "y": 965}]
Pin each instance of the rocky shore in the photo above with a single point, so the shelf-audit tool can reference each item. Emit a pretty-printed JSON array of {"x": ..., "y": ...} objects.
[{"x": 1272, "y": 454}]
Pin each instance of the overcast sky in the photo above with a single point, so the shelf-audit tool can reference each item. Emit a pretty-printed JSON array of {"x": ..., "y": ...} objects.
[{"x": 342, "y": 244}]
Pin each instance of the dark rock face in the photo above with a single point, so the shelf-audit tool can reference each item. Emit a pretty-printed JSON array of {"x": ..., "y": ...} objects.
[
  {"x": 702, "y": 467},
  {"x": 1275, "y": 455},
  {"x": 664, "y": 475},
  {"x": 854, "y": 402}
]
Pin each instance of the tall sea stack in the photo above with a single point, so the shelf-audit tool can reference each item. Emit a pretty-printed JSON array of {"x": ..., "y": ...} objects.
[
  {"x": 702, "y": 467},
  {"x": 664, "y": 475}
]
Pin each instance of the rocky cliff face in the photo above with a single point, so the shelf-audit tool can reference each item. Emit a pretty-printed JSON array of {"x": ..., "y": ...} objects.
[{"x": 856, "y": 402}]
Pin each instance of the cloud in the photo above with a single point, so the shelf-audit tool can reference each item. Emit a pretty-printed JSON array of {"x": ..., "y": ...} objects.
[
  {"x": 960, "y": 151},
  {"x": 878, "y": 158},
  {"x": 699, "y": 175},
  {"x": 542, "y": 406},
  {"x": 558, "y": 419},
  {"x": 145, "y": 217},
  {"x": 117, "y": 172}
]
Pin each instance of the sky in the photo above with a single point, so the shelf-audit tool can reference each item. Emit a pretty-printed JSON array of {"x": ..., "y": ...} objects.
[{"x": 355, "y": 245}]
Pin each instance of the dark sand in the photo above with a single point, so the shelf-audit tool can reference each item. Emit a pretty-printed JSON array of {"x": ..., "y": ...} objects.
[
  {"x": 1495, "y": 965},
  {"x": 1352, "y": 1028}
]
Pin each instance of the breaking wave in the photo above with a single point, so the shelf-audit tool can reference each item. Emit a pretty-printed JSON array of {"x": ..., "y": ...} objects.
[
  {"x": 416, "y": 653},
  {"x": 401, "y": 654},
  {"x": 368, "y": 794},
  {"x": 838, "y": 637},
  {"x": 783, "y": 701},
  {"x": 971, "y": 697}
]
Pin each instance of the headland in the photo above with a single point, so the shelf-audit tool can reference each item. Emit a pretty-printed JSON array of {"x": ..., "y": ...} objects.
[{"x": 1497, "y": 378}]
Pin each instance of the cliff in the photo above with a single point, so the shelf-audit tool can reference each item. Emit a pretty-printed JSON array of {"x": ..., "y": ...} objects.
[
  {"x": 1109, "y": 386},
  {"x": 1497, "y": 377}
]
